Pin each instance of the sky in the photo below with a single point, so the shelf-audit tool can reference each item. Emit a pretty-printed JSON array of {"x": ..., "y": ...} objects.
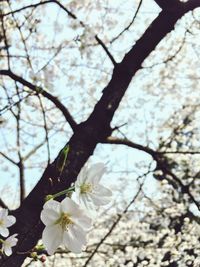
[{"x": 142, "y": 111}]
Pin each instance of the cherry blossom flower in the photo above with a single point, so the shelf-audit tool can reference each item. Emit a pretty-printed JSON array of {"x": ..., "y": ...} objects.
[
  {"x": 5, "y": 222},
  {"x": 7, "y": 245},
  {"x": 88, "y": 190},
  {"x": 66, "y": 224}
]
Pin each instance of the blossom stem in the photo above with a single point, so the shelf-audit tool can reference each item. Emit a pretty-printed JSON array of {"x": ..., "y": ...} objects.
[{"x": 71, "y": 189}]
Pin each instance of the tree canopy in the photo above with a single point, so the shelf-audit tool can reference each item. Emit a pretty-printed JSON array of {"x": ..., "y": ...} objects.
[{"x": 102, "y": 81}]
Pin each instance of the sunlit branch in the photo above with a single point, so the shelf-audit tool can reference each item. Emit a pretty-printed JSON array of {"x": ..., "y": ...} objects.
[
  {"x": 87, "y": 135},
  {"x": 167, "y": 4},
  {"x": 124, "y": 141},
  {"x": 18, "y": 144},
  {"x": 2, "y": 204},
  {"x": 27, "y": 7},
  {"x": 130, "y": 24},
  {"x": 5, "y": 40},
  {"x": 30, "y": 153},
  {"x": 45, "y": 128},
  {"x": 172, "y": 57},
  {"x": 161, "y": 164},
  {"x": 177, "y": 6},
  {"x": 119, "y": 217},
  {"x": 22, "y": 37},
  {"x": 8, "y": 158},
  {"x": 106, "y": 50},
  {"x": 37, "y": 89}
]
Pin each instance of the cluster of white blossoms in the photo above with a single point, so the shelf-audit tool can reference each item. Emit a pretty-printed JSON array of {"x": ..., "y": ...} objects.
[
  {"x": 5, "y": 222},
  {"x": 68, "y": 222}
]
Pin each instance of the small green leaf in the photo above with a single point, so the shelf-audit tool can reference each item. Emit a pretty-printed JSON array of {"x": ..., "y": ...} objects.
[{"x": 60, "y": 164}]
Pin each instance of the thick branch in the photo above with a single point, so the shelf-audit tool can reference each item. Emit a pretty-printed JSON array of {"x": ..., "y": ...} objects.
[
  {"x": 39, "y": 90},
  {"x": 119, "y": 141},
  {"x": 123, "y": 141},
  {"x": 168, "y": 4},
  {"x": 161, "y": 164}
]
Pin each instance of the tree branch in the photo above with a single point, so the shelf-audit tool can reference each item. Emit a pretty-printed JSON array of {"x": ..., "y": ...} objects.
[
  {"x": 161, "y": 164},
  {"x": 168, "y": 4},
  {"x": 2, "y": 204},
  {"x": 39, "y": 90},
  {"x": 119, "y": 217},
  {"x": 130, "y": 24},
  {"x": 32, "y": 151},
  {"x": 86, "y": 136},
  {"x": 26, "y": 7},
  {"x": 106, "y": 50},
  {"x": 8, "y": 158}
]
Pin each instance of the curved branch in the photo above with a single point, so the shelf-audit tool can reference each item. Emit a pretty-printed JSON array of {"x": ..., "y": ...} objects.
[
  {"x": 130, "y": 24},
  {"x": 26, "y": 7},
  {"x": 8, "y": 158},
  {"x": 119, "y": 217},
  {"x": 123, "y": 141},
  {"x": 106, "y": 50},
  {"x": 161, "y": 164},
  {"x": 39, "y": 90}
]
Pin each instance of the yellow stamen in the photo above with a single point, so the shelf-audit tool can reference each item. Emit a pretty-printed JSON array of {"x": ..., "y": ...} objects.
[
  {"x": 64, "y": 221},
  {"x": 85, "y": 188}
]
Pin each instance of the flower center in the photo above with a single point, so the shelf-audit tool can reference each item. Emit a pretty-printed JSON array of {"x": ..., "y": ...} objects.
[
  {"x": 65, "y": 221},
  {"x": 85, "y": 188},
  {"x": 1, "y": 222}
]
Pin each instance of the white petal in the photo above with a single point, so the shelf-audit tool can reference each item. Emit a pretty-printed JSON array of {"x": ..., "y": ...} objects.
[
  {"x": 52, "y": 238},
  {"x": 78, "y": 233},
  {"x": 49, "y": 216},
  {"x": 53, "y": 205},
  {"x": 86, "y": 203},
  {"x": 84, "y": 222},
  {"x": 69, "y": 206},
  {"x": 3, "y": 213},
  {"x": 95, "y": 172},
  {"x": 51, "y": 212},
  {"x": 7, "y": 250},
  {"x": 10, "y": 220},
  {"x": 82, "y": 176},
  {"x": 103, "y": 191},
  {"x": 77, "y": 194},
  {"x": 12, "y": 240},
  {"x": 99, "y": 200},
  {"x": 4, "y": 231},
  {"x": 74, "y": 239}
]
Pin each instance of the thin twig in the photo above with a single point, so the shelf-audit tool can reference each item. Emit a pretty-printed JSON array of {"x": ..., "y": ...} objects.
[
  {"x": 113, "y": 226},
  {"x": 106, "y": 50},
  {"x": 46, "y": 94},
  {"x": 45, "y": 128},
  {"x": 8, "y": 158},
  {"x": 130, "y": 24}
]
